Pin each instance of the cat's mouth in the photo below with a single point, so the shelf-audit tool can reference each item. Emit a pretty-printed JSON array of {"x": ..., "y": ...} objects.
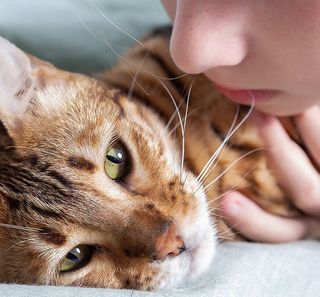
[
  {"x": 200, "y": 245},
  {"x": 195, "y": 260}
]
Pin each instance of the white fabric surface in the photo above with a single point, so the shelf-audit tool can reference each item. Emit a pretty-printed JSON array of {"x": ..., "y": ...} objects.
[{"x": 239, "y": 270}]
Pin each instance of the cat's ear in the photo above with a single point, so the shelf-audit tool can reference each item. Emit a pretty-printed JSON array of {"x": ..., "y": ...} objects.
[
  {"x": 21, "y": 77},
  {"x": 16, "y": 82}
]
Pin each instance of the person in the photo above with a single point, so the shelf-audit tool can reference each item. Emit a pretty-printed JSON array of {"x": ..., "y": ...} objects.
[{"x": 268, "y": 50}]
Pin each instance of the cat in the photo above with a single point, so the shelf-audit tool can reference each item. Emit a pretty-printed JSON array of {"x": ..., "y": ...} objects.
[{"x": 103, "y": 180}]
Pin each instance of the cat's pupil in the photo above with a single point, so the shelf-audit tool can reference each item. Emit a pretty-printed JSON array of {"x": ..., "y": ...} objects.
[
  {"x": 118, "y": 158},
  {"x": 74, "y": 255},
  {"x": 116, "y": 163},
  {"x": 78, "y": 257}
]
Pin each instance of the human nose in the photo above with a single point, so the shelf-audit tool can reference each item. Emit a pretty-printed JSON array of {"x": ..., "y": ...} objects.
[{"x": 207, "y": 34}]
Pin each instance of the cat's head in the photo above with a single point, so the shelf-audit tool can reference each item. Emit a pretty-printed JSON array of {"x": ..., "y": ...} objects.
[{"x": 92, "y": 192}]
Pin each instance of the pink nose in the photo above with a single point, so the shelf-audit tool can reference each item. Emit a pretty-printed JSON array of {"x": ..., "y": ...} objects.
[{"x": 169, "y": 243}]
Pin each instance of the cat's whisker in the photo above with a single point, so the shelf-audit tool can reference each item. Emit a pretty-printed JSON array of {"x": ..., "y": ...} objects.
[
  {"x": 113, "y": 24},
  {"x": 184, "y": 129},
  {"x": 178, "y": 113},
  {"x": 16, "y": 146},
  {"x": 230, "y": 229},
  {"x": 213, "y": 212},
  {"x": 174, "y": 153},
  {"x": 192, "y": 112},
  {"x": 231, "y": 165},
  {"x": 104, "y": 41},
  {"x": 177, "y": 125},
  {"x": 173, "y": 117},
  {"x": 120, "y": 57},
  {"x": 233, "y": 187},
  {"x": 21, "y": 228},
  {"x": 195, "y": 158},
  {"x": 217, "y": 152},
  {"x": 215, "y": 164},
  {"x": 228, "y": 238},
  {"x": 230, "y": 133},
  {"x": 138, "y": 68},
  {"x": 134, "y": 78},
  {"x": 167, "y": 78},
  {"x": 226, "y": 170},
  {"x": 19, "y": 243}
]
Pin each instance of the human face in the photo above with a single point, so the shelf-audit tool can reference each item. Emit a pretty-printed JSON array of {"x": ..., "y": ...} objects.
[{"x": 266, "y": 49}]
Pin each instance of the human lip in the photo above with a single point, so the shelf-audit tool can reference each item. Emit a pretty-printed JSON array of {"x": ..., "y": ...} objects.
[{"x": 246, "y": 96}]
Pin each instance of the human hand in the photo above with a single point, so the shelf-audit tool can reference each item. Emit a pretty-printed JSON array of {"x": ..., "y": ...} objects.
[{"x": 297, "y": 176}]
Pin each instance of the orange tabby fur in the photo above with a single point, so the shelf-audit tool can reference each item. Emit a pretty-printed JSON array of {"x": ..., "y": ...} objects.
[
  {"x": 54, "y": 193},
  {"x": 209, "y": 120}
]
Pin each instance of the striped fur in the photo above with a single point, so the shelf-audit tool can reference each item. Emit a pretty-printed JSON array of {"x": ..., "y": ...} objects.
[{"x": 54, "y": 193}]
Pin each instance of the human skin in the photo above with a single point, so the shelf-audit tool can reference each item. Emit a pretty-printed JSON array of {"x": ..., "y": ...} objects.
[{"x": 265, "y": 46}]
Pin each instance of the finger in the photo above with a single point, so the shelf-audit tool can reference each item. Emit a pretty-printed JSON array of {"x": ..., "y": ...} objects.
[
  {"x": 308, "y": 124},
  {"x": 292, "y": 167},
  {"x": 258, "y": 225}
]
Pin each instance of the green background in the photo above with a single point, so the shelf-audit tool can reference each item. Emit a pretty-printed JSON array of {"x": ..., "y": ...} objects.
[{"x": 73, "y": 34}]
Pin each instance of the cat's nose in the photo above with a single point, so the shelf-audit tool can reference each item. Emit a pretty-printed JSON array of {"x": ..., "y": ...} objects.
[{"x": 169, "y": 243}]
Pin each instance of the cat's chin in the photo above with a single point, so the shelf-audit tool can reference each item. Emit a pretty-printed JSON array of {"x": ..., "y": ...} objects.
[{"x": 202, "y": 255}]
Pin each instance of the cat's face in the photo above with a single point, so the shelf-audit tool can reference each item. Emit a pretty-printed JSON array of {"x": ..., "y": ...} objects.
[{"x": 94, "y": 186}]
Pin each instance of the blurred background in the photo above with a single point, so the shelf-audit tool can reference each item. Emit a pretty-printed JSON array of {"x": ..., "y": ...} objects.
[{"x": 76, "y": 35}]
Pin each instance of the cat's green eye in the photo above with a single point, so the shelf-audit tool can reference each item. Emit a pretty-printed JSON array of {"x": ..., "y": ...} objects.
[
  {"x": 76, "y": 258},
  {"x": 116, "y": 162}
]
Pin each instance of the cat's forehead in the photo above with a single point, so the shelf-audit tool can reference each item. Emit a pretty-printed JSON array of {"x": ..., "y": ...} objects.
[
  {"x": 84, "y": 102},
  {"x": 83, "y": 99},
  {"x": 70, "y": 114},
  {"x": 81, "y": 118}
]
